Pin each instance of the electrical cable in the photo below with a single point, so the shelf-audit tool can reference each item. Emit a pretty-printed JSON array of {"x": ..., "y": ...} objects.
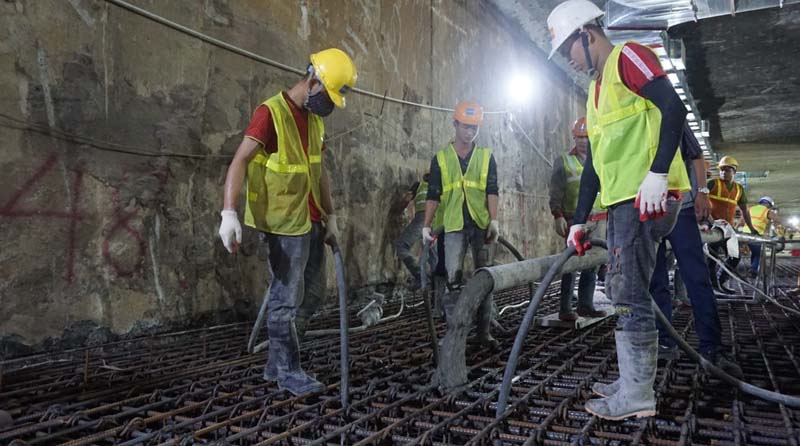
[
  {"x": 522, "y": 332},
  {"x": 258, "y": 58}
]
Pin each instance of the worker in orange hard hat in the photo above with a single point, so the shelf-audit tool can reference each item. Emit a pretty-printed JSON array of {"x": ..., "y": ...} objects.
[
  {"x": 463, "y": 188},
  {"x": 289, "y": 202},
  {"x": 726, "y": 196},
  {"x": 565, "y": 183}
]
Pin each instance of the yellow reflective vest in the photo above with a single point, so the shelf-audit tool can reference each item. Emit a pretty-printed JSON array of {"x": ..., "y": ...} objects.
[
  {"x": 573, "y": 170},
  {"x": 759, "y": 215},
  {"x": 458, "y": 187},
  {"x": 278, "y": 184},
  {"x": 623, "y": 130}
]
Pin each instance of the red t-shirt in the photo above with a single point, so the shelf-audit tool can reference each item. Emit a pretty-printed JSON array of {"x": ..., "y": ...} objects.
[
  {"x": 638, "y": 65},
  {"x": 262, "y": 130}
]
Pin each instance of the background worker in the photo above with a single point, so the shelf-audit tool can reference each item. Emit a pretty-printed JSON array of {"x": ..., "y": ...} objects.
[
  {"x": 726, "y": 195},
  {"x": 463, "y": 187},
  {"x": 761, "y": 215},
  {"x": 564, "y": 185},
  {"x": 416, "y": 195},
  {"x": 288, "y": 198},
  {"x": 635, "y": 122},
  {"x": 687, "y": 247}
]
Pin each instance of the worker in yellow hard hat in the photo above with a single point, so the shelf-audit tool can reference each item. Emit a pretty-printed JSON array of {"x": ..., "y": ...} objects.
[
  {"x": 726, "y": 195},
  {"x": 634, "y": 119},
  {"x": 289, "y": 202},
  {"x": 463, "y": 188}
]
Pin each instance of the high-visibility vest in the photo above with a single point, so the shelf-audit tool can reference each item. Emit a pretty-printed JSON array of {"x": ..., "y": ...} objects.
[
  {"x": 759, "y": 216},
  {"x": 278, "y": 184},
  {"x": 574, "y": 169},
  {"x": 458, "y": 187},
  {"x": 724, "y": 201},
  {"x": 624, "y": 131},
  {"x": 421, "y": 197}
]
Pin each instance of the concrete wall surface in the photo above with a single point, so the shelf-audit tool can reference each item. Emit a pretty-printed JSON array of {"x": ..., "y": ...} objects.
[{"x": 117, "y": 132}]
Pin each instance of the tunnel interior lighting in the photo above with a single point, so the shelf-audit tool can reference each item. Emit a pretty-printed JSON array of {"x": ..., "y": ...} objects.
[
  {"x": 794, "y": 221},
  {"x": 520, "y": 88}
]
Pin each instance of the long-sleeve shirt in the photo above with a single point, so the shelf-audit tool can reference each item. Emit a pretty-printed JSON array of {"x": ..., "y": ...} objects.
[{"x": 435, "y": 183}]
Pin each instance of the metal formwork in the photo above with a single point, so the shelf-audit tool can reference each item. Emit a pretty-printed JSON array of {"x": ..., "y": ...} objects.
[{"x": 201, "y": 387}]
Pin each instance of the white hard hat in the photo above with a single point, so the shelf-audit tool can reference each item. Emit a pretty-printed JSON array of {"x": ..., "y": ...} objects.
[{"x": 568, "y": 17}]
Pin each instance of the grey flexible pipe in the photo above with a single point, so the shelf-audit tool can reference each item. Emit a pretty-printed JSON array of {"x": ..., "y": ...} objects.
[
  {"x": 344, "y": 355},
  {"x": 513, "y": 359}
]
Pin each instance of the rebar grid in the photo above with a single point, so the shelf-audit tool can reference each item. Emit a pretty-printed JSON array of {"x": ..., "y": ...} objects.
[{"x": 201, "y": 387}]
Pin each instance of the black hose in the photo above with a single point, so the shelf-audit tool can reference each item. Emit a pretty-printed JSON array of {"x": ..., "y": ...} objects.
[
  {"x": 513, "y": 358},
  {"x": 341, "y": 283}
]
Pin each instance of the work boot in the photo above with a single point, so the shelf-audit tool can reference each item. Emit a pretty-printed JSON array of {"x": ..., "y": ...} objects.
[
  {"x": 590, "y": 312},
  {"x": 568, "y": 317},
  {"x": 285, "y": 355},
  {"x": 606, "y": 390},
  {"x": 413, "y": 268},
  {"x": 485, "y": 324},
  {"x": 636, "y": 357}
]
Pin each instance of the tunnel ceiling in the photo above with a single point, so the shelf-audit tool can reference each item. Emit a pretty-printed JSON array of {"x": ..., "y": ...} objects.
[{"x": 744, "y": 73}]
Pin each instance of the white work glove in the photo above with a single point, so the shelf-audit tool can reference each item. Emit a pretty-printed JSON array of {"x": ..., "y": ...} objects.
[
  {"x": 331, "y": 230},
  {"x": 427, "y": 237},
  {"x": 652, "y": 197},
  {"x": 561, "y": 227},
  {"x": 578, "y": 237},
  {"x": 230, "y": 231},
  {"x": 493, "y": 232}
]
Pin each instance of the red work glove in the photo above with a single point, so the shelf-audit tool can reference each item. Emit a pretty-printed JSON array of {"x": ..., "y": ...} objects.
[{"x": 576, "y": 238}]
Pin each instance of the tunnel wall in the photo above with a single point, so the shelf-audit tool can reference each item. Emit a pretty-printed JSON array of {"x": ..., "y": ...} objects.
[{"x": 117, "y": 132}]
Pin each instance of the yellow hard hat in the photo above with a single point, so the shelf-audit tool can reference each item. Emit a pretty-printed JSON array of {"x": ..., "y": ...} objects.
[
  {"x": 728, "y": 161},
  {"x": 336, "y": 71}
]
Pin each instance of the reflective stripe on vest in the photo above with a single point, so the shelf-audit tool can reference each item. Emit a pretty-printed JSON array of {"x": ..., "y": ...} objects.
[
  {"x": 278, "y": 184},
  {"x": 624, "y": 131},
  {"x": 724, "y": 201},
  {"x": 759, "y": 216},
  {"x": 421, "y": 197},
  {"x": 458, "y": 187},
  {"x": 574, "y": 169}
]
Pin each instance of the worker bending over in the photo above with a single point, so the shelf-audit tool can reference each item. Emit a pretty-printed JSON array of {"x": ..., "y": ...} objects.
[
  {"x": 635, "y": 121},
  {"x": 288, "y": 199},
  {"x": 463, "y": 187}
]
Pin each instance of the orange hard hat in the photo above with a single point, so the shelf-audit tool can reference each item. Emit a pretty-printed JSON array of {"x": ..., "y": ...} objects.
[
  {"x": 579, "y": 128},
  {"x": 468, "y": 112}
]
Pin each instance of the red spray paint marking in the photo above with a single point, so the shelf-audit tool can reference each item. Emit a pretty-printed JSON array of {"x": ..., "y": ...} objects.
[
  {"x": 8, "y": 209},
  {"x": 122, "y": 221}
]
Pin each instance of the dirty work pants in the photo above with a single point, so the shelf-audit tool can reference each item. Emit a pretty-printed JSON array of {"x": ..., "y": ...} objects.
[
  {"x": 632, "y": 257},
  {"x": 688, "y": 249},
  {"x": 456, "y": 248},
  {"x": 755, "y": 256},
  {"x": 297, "y": 265},
  {"x": 408, "y": 238}
]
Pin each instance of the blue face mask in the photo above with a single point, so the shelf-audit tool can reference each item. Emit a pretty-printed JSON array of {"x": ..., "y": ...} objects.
[{"x": 319, "y": 103}]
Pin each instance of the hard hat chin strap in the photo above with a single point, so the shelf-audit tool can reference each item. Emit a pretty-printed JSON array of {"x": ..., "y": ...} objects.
[{"x": 585, "y": 41}]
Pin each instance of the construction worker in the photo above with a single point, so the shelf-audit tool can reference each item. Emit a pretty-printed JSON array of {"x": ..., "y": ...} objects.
[
  {"x": 726, "y": 195},
  {"x": 687, "y": 247},
  {"x": 761, "y": 216},
  {"x": 288, "y": 200},
  {"x": 635, "y": 122},
  {"x": 463, "y": 186},
  {"x": 416, "y": 195},
  {"x": 564, "y": 184}
]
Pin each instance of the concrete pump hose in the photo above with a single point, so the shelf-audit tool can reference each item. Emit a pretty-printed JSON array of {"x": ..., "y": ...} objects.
[
  {"x": 341, "y": 284},
  {"x": 513, "y": 358}
]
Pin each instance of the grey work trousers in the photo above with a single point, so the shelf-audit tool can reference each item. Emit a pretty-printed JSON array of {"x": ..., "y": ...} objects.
[
  {"x": 455, "y": 250},
  {"x": 297, "y": 265},
  {"x": 632, "y": 246},
  {"x": 408, "y": 238}
]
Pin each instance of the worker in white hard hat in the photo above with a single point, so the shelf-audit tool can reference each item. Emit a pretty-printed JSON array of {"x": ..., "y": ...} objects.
[
  {"x": 289, "y": 202},
  {"x": 761, "y": 216},
  {"x": 635, "y": 121}
]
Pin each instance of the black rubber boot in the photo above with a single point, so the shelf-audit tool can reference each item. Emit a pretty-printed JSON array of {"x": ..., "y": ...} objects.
[
  {"x": 485, "y": 324},
  {"x": 284, "y": 361}
]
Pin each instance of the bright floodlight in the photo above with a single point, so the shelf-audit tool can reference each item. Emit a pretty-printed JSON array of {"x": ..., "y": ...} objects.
[
  {"x": 794, "y": 221},
  {"x": 520, "y": 88}
]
